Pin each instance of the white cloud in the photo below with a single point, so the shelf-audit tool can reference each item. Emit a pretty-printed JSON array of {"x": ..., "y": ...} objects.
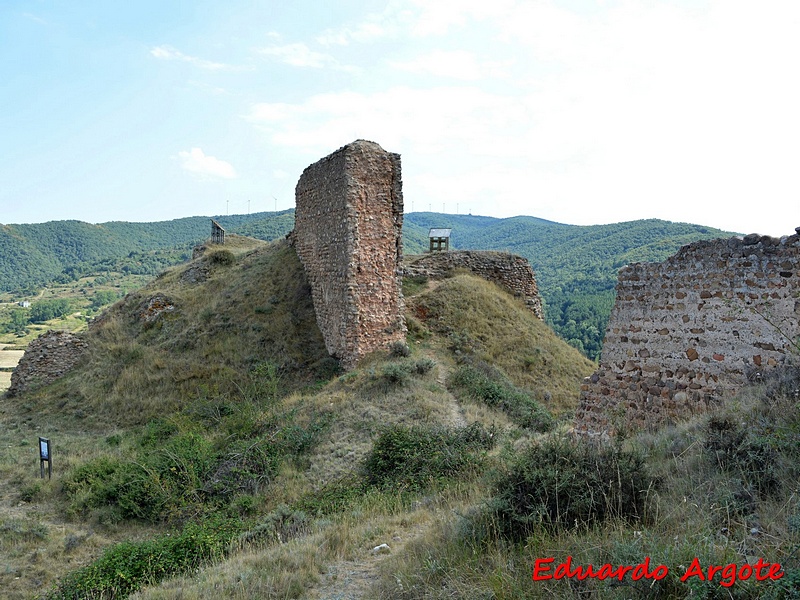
[
  {"x": 455, "y": 64},
  {"x": 170, "y": 53},
  {"x": 300, "y": 55},
  {"x": 632, "y": 110},
  {"x": 389, "y": 23},
  {"x": 416, "y": 18},
  {"x": 196, "y": 161}
]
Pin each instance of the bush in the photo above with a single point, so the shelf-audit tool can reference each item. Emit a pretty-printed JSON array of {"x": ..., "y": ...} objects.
[
  {"x": 486, "y": 384},
  {"x": 281, "y": 525},
  {"x": 423, "y": 366},
  {"x": 222, "y": 257},
  {"x": 397, "y": 373},
  {"x": 563, "y": 483},
  {"x": 414, "y": 457},
  {"x": 158, "y": 485},
  {"x": 127, "y": 567},
  {"x": 744, "y": 452},
  {"x": 399, "y": 349},
  {"x": 175, "y": 473}
]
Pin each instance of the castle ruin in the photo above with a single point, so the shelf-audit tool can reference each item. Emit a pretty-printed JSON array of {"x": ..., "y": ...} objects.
[
  {"x": 348, "y": 227},
  {"x": 511, "y": 272},
  {"x": 686, "y": 333}
]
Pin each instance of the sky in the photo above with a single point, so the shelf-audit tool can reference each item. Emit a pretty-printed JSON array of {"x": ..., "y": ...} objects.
[{"x": 576, "y": 111}]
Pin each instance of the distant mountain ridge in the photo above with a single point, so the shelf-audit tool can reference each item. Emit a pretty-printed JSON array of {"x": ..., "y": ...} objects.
[
  {"x": 576, "y": 266},
  {"x": 33, "y": 254}
]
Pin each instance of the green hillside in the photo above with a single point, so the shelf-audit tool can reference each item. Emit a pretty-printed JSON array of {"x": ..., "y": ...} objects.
[
  {"x": 209, "y": 448},
  {"x": 208, "y": 403},
  {"x": 31, "y": 255}
]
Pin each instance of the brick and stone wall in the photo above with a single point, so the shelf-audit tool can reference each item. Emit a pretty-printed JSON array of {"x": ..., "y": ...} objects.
[
  {"x": 687, "y": 333},
  {"x": 509, "y": 271},
  {"x": 47, "y": 358},
  {"x": 348, "y": 224}
]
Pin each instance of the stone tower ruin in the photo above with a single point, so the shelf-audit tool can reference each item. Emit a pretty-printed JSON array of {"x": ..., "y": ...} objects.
[
  {"x": 686, "y": 333},
  {"x": 348, "y": 227}
]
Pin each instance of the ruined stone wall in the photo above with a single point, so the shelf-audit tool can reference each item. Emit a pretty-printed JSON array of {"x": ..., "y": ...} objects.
[
  {"x": 509, "y": 271},
  {"x": 687, "y": 333},
  {"x": 47, "y": 358},
  {"x": 348, "y": 226}
]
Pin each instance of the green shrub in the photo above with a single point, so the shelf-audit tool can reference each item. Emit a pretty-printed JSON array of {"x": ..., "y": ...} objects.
[
  {"x": 399, "y": 349},
  {"x": 30, "y": 492},
  {"x": 222, "y": 257},
  {"x": 157, "y": 485},
  {"x": 173, "y": 473},
  {"x": 563, "y": 483},
  {"x": 743, "y": 450},
  {"x": 397, "y": 373},
  {"x": 281, "y": 525},
  {"x": 127, "y": 567},
  {"x": 486, "y": 384},
  {"x": 424, "y": 366},
  {"x": 414, "y": 457}
]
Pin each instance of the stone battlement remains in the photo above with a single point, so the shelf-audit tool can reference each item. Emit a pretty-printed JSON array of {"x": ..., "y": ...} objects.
[
  {"x": 686, "y": 333},
  {"x": 511, "y": 272},
  {"x": 47, "y": 358},
  {"x": 348, "y": 226}
]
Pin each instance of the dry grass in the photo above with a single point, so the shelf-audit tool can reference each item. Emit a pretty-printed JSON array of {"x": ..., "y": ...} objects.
[
  {"x": 229, "y": 316},
  {"x": 475, "y": 317},
  {"x": 37, "y": 544},
  {"x": 5, "y": 381},
  {"x": 232, "y": 314}
]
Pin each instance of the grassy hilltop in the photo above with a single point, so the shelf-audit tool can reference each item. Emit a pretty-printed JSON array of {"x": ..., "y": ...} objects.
[{"x": 210, "y": 448}]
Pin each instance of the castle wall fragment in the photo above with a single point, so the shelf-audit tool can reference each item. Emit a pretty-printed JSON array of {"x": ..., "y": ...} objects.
[
  {"x": 687, "y": 333},
  {"x": 348, "y": 228},
  {"x": 47, "y": 358},
  {"x": 511, "y": 272}
]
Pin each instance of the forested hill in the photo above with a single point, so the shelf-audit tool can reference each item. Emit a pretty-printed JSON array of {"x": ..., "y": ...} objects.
[
  {"x": 576, "y": 266},
  {"x": 31, "y": 255}
]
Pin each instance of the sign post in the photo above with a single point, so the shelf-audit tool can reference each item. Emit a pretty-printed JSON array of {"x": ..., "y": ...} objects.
[{"x": 44, "y": 456}]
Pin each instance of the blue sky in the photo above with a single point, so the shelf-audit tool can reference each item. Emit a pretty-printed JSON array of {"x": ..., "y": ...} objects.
[{"x": 576, "y": 111}]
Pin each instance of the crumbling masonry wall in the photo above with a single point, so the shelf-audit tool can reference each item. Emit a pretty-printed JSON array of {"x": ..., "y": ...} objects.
[
  {"x": 47, "y": 358},
  {"x": 348, "y": 226},
  {"x": 687, "y": 333},
  {"x": 511, "y": 272}
]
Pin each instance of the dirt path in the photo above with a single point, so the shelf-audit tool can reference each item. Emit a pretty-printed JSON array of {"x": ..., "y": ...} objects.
[{"x": 354, "y": 579}]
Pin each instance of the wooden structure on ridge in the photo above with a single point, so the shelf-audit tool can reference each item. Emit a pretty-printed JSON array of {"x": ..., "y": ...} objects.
[
  {"x": 439, "y": 240},
  {"x": 217, "y": 233}
]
